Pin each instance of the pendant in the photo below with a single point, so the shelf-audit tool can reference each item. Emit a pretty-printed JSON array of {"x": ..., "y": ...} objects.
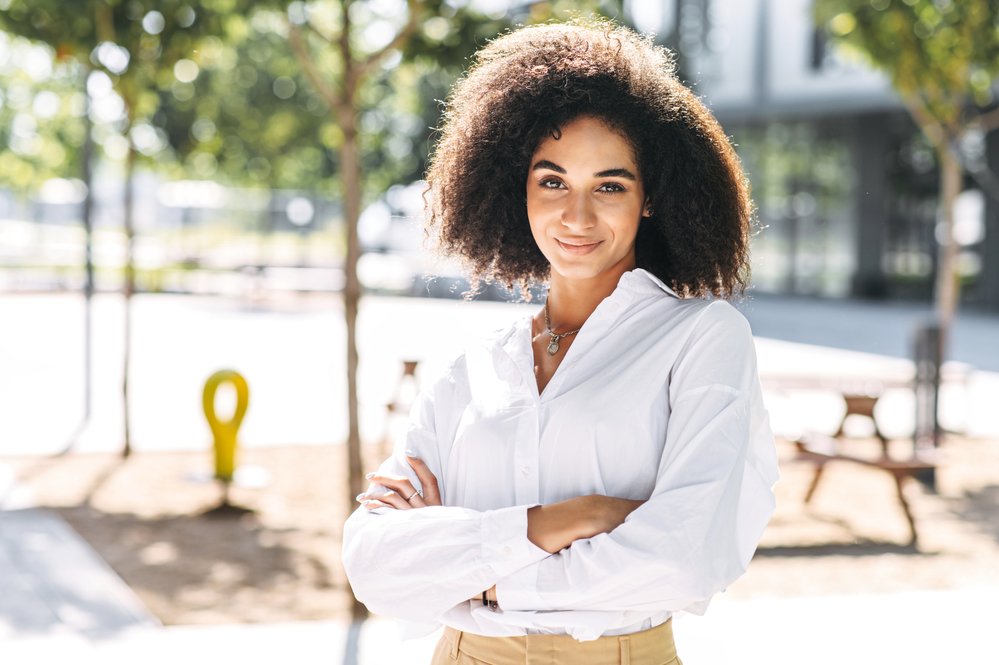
[{"x": 553, "y": 346}]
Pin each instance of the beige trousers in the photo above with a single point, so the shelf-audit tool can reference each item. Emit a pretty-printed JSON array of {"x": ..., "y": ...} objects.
[{"x": 649, "y": 647}]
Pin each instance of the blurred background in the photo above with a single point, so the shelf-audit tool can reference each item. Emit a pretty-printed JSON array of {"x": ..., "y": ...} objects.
[{"x": 188, "y": 186}]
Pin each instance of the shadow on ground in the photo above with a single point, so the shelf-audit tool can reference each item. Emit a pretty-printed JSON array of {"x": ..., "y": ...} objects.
[{"x": 202, "y": 562}]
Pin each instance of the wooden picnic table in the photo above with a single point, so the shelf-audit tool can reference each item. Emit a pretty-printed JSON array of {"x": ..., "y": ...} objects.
[
  {"x": 819, "y": 451},
  {"x": 861, "y": 395}
]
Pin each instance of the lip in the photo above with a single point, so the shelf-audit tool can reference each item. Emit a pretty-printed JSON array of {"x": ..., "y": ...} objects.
[{"x": 577, "y": 248}]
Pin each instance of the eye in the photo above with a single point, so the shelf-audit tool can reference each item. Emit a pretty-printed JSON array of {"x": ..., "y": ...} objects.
[
  {"x": 611, "y": 187},
  {"x": 550, "y": 183}
]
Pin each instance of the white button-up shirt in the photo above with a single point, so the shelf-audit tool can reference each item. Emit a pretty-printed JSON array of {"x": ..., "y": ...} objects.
[{"x": 657, "y": 399}]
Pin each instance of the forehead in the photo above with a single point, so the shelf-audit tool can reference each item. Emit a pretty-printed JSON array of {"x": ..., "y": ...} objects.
[{"x": 587, "y": 140}]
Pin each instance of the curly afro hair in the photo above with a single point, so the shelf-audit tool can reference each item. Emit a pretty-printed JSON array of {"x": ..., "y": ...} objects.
[{"x": 526, "y": 84}]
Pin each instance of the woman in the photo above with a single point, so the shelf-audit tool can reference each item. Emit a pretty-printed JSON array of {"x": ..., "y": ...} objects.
[{"x": 597, "y": 467}]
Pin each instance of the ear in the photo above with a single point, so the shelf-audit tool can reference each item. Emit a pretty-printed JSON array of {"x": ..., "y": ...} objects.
[{"x": 647, "y": 209}]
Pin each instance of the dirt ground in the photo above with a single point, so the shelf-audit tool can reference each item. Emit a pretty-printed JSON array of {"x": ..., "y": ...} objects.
[{"x": 280, "y": 562}]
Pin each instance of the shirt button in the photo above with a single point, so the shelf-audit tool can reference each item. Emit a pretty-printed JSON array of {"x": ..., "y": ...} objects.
[
  {"x": 576, "y": 359},
  {"x": 526, "y": 470},
  {"x": 507, "y": 552}
]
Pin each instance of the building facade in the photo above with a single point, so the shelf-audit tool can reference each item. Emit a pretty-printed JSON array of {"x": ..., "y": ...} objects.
[{"x": 845, "y": 183}]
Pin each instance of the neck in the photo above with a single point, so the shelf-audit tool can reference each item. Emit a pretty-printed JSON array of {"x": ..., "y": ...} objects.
[{"x": 571, "y": 301}]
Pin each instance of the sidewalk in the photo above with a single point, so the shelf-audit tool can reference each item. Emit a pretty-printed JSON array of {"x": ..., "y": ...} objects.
[{"x": 52, "y": 581}]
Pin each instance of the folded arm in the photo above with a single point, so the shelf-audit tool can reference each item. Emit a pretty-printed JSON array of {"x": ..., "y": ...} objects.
[
  {"x": 417, "y": 564},
  {"x": 551, "y": 527}
]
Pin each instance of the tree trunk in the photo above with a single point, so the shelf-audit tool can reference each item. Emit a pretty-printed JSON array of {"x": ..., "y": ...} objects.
[
  {"x": 87, "y": 217},
  {"x": 129, "y": 288},
  {"x": 88, "y": 228},
  {"x": 351, "y": 172},
  {"x": 947, "y": 285}
]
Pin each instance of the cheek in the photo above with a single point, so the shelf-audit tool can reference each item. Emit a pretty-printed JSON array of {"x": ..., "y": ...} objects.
[
  {"x": 536, "y": 215},
  {"x": 626, "y": 225}
]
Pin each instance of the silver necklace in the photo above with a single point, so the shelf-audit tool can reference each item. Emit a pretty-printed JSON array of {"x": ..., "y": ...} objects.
[{"x": 553, "y": 343}]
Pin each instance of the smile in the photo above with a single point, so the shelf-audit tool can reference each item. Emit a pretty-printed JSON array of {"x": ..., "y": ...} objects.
[{"x": 577, "y": 248}]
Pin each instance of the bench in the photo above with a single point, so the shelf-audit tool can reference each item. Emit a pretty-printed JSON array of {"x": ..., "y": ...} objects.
[{"x": 820, "y": 450}]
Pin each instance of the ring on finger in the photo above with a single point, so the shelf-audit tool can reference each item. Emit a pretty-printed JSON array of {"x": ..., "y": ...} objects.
[{"x": 413, "y": 494}]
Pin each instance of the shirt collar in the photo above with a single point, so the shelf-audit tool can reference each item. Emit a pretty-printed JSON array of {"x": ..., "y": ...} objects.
[
  {"x": 644, "y": 281},
  {"x": 629, "y": 286}
]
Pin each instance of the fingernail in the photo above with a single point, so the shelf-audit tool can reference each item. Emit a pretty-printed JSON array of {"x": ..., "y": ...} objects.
[
  {"x": 412, "y": 455},
  {"x": 370, "y": 476},
  {"x": 358, "y": 498},
  {"x": 364, "y": 503}
]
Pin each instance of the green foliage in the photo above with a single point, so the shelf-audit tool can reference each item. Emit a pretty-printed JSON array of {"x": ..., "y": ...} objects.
[
  {"x": 252, "y": 118},
  {"x": 936, "y": 52},
  {"x": 150, "y": 36},
  {"x": 132, "y": 50},
  {"x": 40, "y": 109},
  {"x": 212, "y": 88}
]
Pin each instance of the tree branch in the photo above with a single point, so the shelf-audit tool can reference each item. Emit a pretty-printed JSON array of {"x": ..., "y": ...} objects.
[
  {"x": 349, "y": 78},
  {"x": 328, "y": 40},
  {"x": 934, "y": 131},
  {"x": 309, "y": 67},
  {"x": 397, "y": 41},
  {"x": 104, "y": 25},
  {"x": 988, "y": 121},
  {"x": 979, "y": 171}
]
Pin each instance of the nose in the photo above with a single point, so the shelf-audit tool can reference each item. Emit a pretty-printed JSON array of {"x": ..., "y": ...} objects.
[{"x": 578, "y": 213}]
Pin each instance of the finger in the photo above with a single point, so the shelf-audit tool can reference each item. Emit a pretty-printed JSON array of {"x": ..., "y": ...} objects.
[
  {"x": 414, "y": 500},
  {"x": 391, "y": 498},
  {"x": 371, "y": 504},
  {"x": 431, "y": 492},
  {"x": 400, "y": 484}
]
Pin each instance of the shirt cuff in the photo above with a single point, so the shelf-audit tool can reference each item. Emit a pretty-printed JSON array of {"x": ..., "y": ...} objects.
[
  {"x": 504, "y": 535},
  {"x": 519, "y": 590},
  {"x": 504, "y": 542}
]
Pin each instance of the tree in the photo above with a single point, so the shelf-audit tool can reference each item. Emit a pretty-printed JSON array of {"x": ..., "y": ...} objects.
[
  {"x": 132, "y": 47},
  {"x": 337, "y": 62},
  {"x": 941, "y": 56}
]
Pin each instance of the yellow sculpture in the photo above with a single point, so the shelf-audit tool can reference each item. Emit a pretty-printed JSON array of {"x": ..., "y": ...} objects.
[{"x": 225, "y": 433}]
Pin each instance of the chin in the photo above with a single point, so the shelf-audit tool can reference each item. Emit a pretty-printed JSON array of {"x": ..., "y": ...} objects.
[
  {"x": 588, "y": 267},
  {"x": 578, "y": 270}
]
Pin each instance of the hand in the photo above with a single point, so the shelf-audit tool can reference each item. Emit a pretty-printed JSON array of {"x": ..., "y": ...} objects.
[
  {"x": 557, "y": 525},
  {"x": 399, "y": 488}
]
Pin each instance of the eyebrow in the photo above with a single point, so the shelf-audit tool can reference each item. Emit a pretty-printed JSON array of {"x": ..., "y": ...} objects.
[{"x": 609, "y": 173}]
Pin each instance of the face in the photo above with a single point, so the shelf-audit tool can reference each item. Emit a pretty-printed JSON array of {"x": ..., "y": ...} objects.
[{"x": 585, "y": 200}]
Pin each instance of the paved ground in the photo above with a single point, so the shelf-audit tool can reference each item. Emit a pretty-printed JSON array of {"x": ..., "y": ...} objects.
[
  {"x": 290, "y": 354},
  {"x": 923, "y": 627},
  {"x": 59, "y": 602}
]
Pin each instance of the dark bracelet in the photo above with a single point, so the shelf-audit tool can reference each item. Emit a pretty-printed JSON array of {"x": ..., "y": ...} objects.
[{"x": 484, "y": 601}]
